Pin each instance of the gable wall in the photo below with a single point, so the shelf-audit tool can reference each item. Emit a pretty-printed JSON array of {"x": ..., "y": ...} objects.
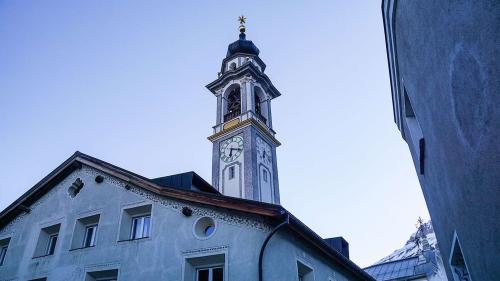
[{"x": 160, "y": 257}]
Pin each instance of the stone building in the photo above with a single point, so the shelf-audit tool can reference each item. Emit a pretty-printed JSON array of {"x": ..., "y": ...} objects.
[
  {"x": 444, "y": 69},
  {"x": 90, "y": 220}
]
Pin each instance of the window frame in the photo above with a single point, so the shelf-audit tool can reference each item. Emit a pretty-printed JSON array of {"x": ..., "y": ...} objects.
[
  {"x": 3, "y": 253},
  {"x": 93, "y": 240},
  {"x": 202, "y": 259},
  {"x": 305, "y": 271},
  {"x": 51, "y": 244},
  {"x": 231, "y": 172},
  {"x": 210, "y": 269},
  {"x": 458, "y": 271},
  {"x": 46, "y": 244},
  {"x": 133, "y": 228}
]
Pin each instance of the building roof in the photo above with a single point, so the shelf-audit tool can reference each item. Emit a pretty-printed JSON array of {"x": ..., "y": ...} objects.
[
  {"x": 405, "y": 269},
  {"x": 242, "y": 46},
  {"x": 160, "y": 186},
  {"x": 187, "y": 181}
]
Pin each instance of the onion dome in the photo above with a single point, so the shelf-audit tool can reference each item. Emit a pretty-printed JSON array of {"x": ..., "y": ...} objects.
[{"x": 242, "y": 45}]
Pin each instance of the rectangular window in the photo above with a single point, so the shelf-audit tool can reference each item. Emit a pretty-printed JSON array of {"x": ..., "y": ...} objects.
[
  {"x": 304, "y": 272},
  {"x": 3, "y": 252},
  {"x": 4, "y": 245},
  {"x": 51, "y": 246},
  {"x": 231, "y": 172},
  {"x": 104, "y": 275},
  {"x": 47, "y": 241},
  {"x": 135, "y": 223},
  {"x": 264, "y": 175},
  {"x": 140, "y": 227},
  {"x": 85, "y": 232},
  {"x": 413, "y": 135},
  {"x": 457, "y": 263},
  {"x": 212, "y": 267},
  {"x": 210, "y": 274},
  {"x": 90, "y": 235}
]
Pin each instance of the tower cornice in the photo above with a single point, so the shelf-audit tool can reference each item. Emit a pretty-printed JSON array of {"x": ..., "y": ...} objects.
[
  {"x": 247, "y": 69},
  {"x": 248, "y": 122},
  {"x": 256, "y": 58}
]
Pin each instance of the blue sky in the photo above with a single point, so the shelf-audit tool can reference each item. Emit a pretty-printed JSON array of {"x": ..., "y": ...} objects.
[{"x": 124, "y": 81}]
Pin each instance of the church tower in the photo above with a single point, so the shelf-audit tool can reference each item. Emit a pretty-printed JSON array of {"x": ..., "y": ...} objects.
[{"x": 244, "y": 144}]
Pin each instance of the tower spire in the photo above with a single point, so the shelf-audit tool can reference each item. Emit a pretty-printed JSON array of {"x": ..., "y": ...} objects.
[
  {"x": 242, "y": 27},
  {"x": 244, "y": 145},
  {"x": 242, "y": 21}
]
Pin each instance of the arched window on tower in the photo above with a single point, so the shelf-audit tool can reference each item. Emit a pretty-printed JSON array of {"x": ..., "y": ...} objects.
[
  {"x": 261, "y": 105},
  {"x": 233, "y": 104},
  {"x": 257, "y": 105}
]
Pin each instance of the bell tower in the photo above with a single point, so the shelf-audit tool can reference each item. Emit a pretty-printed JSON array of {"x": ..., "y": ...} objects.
[{"x": 244, "y": 144}]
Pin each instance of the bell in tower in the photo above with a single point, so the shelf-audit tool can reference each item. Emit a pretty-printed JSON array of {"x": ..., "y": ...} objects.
[{"x": 244, "y": 144}]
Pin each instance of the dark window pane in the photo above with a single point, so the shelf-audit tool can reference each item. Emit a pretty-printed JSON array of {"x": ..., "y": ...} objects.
[
  {"x": 203, "y": 275},
  {"x": 209, "y": 230},
  {"x": 257, "y": 104},
  {"x": 135, "y": 228},
  {"x": 3, "y": 252},
  {"x": 218, "y": 274},
  {"x": 52, "y": 245},
  {"x": 90, "y": 236}
]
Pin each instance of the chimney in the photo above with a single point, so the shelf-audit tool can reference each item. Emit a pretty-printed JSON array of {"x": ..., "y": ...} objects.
[{"x": 339, "y": 244}]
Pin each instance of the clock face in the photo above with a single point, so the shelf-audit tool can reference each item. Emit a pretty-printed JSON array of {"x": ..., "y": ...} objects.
[
  {"x": 264, "y": 151},
  {"x": 231, "y": 149}
]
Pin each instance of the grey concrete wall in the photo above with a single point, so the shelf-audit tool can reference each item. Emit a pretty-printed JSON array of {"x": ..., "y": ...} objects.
[
  {"x": 448, "y": 57},
  {"x": 162, "y": 256}
]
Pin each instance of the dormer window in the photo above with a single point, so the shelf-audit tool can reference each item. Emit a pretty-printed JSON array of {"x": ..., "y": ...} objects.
[{"x": 232, "y": 66}]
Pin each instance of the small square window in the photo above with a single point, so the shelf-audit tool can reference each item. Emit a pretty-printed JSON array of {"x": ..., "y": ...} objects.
[
  {"x": 47, "y": 241},
  {"x": 85, "y": 233},
  {"x": 231, "y": 172},
  {"x": 304, "y": 272},
  {"x": 4, "y": 245},
  {"x": 136, "y": 223}
]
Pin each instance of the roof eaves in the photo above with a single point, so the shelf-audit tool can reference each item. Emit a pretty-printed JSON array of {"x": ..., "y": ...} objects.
[
  {"x": 24, "y": 201},
  {"x": 314, "y": 238}
]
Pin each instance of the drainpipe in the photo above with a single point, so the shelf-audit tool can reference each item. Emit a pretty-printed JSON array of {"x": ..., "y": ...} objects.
[{"x": 261, "y": 255}]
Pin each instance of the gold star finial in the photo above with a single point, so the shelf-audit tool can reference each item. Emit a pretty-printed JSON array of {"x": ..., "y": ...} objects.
[{"x": 242, "y": 21}]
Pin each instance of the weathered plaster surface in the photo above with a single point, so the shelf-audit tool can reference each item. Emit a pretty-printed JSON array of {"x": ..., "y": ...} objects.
[{"x": 160, "y": 257}]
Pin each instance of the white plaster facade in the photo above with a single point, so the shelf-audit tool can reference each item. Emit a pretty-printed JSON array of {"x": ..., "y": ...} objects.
[{"x": 173, "y": 251}]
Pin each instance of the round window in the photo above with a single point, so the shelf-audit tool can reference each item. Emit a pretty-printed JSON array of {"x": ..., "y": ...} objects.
[{"x": 204, "y": 228}]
